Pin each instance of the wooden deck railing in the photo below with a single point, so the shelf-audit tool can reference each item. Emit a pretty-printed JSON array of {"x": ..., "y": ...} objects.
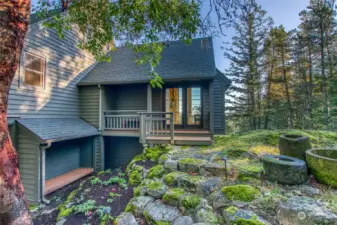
[
  {"x": 156, "y": 124},
  {"x": 148, "y": 123},
  {"x": 121, "y": 119}
]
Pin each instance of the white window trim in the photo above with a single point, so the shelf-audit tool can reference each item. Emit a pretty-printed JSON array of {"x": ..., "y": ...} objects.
[{"x": 22, "y": 83}]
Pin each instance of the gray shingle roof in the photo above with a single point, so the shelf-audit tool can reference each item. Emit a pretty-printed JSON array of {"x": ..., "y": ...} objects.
[
  {"x": 178, "y": 62},
  {"x": 59, "y": 129}
]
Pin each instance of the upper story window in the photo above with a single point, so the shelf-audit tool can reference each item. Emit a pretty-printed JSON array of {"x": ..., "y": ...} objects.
[{"x": 34, "y": 68}]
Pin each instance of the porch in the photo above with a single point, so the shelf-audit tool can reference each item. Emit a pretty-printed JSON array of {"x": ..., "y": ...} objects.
[
  {"x": 179, "y": 113},
  {"x": 153, "y": 128}
]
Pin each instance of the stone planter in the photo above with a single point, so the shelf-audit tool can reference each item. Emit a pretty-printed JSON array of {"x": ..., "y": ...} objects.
[
  {"x": 323, "y": 165},
  {"x": 294, "y": 145},
  {"x": 284, "y": 169}
]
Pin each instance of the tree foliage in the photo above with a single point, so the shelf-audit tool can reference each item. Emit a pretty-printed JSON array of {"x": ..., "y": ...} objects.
[{"x": 299, "y": 77}]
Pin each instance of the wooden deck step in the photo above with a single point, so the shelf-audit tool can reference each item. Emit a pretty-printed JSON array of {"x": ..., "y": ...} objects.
[
  {"x": 65, "y": 179},
  {"x": 179, "y": 140}
]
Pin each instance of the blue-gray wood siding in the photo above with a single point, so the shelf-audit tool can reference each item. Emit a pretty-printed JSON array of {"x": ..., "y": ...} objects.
[
  {"x": 130, "y": 97},
  {"x": 89, "y": 104},
  {"x": 29, "y": 163},
  {"x": 157, "y": 100},
  {"x": 66, "y": 66},
  {"x": 119, "y": 151},
  {"x": 62, "y": 159},
  {"x": 218, "y": 107},
  {"x": 65, "y": 156}
]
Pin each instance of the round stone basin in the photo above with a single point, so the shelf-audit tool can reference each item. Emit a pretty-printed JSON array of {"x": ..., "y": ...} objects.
[
  {"x": 294, "y": 145},
  {"x": 323, "y": 165}
]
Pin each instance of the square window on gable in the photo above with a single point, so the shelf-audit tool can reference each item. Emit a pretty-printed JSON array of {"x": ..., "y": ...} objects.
[{"x": 34, "y": 70}]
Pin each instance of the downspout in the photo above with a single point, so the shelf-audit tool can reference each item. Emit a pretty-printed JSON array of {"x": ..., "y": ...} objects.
[
  {"x": 43, "y": 148},
  {"x": 100, "y": 128}
]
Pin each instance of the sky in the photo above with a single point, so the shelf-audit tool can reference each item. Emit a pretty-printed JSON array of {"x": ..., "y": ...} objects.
[{"x": 283, "y": 12}]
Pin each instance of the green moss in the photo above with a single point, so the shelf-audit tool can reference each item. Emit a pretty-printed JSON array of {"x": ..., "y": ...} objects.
[
  {"x": 63, "y": 210},
  {"x": 242, "y": 221},
  {"x": 245, "y": 193},
  {"x": 135, "y": 177},
  {"x": 192, "y": 161},
  {"x": 248, "y": 140},
  {"x": 163, "y": 158},
  {"x": 136, "y": 191},
  {"x": 185, "y": 147},
  {"x": 64, "y": 213},
  {"x": 33, "y": 206},
  {"x": 151, "y": 221},
  {"x": 190, "y": 202},
  {"x": 324, "y": 169},
  {"x": 249, "y": 169},
  {"x": 137, "y": 158},
  {"x": 156, "y": 171},
  {"x": 130, "y": 208},
  {"x": 155, "y": 185},
  {"x": 173, "y": 196},
  {"x": 171, "y": 178},
  {"x": 231, "y": 210},
  {"x": 154, "y": 153}
]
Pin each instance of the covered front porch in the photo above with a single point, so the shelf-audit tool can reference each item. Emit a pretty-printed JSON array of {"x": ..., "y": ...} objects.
[{"x": 179, "y": 113}]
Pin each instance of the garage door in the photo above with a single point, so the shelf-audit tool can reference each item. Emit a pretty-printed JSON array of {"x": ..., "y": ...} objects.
[
  {"x": 62, "y": 158},
  {"x": 119, "y": 151}
]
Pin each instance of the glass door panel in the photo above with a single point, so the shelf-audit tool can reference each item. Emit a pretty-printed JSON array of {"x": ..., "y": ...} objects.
[
  {"x": 193, "y": 106},
  {"x": 174, "y": 103}
]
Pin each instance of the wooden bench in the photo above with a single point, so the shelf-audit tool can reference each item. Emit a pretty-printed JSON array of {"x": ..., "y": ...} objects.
[{"x": 65, "y": 179}]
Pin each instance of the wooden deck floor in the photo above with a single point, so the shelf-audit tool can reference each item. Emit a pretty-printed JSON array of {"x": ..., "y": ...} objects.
[{"x": 65, "y": 179}]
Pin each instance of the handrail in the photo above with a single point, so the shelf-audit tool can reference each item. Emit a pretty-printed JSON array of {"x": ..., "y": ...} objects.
[{"x": 156, "y": 124}]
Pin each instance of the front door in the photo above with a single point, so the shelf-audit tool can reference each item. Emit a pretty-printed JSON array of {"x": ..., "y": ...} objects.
[{"x": 185, "y": 102}]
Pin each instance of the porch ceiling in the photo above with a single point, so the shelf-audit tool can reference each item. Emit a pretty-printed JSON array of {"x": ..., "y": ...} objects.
[{"x": 54, "y": 130}]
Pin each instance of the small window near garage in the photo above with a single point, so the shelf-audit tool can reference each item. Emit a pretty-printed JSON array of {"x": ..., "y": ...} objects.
[{"x": 34, "y": 70}]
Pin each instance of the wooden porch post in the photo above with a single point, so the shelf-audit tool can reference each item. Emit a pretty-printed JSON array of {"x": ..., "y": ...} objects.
[
  {"x": 211, "y": 108},
  {"x": 149, "y": 98}
]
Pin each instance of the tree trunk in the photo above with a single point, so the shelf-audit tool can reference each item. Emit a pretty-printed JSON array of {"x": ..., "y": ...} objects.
[
  {"x": 325, "y": 91},
  {"x": 14, "y": 21},
  {"x": 310, "y": 84},
  {"x": 291, "y": 125}
]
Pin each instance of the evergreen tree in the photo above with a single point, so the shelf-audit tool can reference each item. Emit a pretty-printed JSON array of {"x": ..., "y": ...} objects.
[{"x": 245, "y": 55}]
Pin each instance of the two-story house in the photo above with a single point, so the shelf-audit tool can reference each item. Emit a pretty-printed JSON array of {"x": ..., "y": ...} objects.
[{"x": 71, "y": 116}]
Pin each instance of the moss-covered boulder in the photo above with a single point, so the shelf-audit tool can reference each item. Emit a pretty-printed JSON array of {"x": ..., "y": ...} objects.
[
  {"x": 155, "y": 188},
  {"x": 323, "y": 165},
  {"x": 305, "y": 211},
  {"x": 235, "y": 216},
  {"x": 191, "y": 165},
  {"x": 137, "y": 205},
  {"x": 251, "y": 169},
  {"x": 157, "y": 171},
  {"x": 125, "y": 218},
  {"x": 154, "y": 153},
  {"x": 244, "y": 193},
  {"x": 190, "y": 183},
  {"x": 190, "y": 203},
  {"x": 174, "y": 196},
  {"x": 205, "y": 215},
  {"x": 163, "y": 158},
  {"x": 216, "y": 169},
  {"x": 171, "y": 179},
  {"x": 157, "y": 213},
  {"x": 208, "y": 185},
  {"x": 136, "y": 175},
  {"x": 137, "y": 158},
  {"x": 171, "y": 165}
]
